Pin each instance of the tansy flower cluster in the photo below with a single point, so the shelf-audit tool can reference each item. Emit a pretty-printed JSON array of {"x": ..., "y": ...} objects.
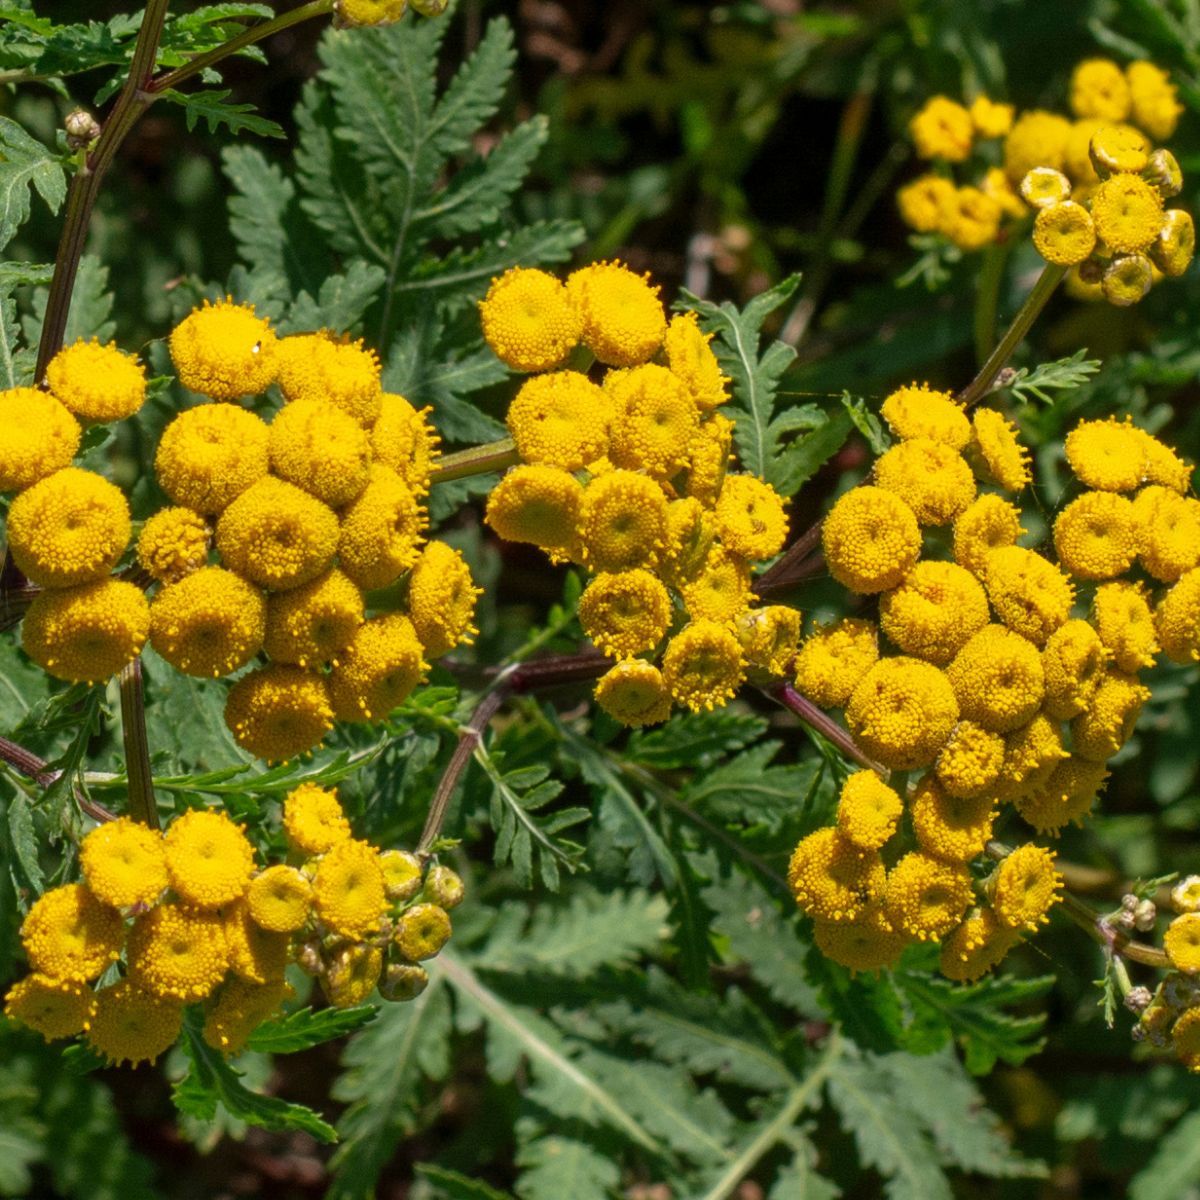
[
  {"x": 67, "y": 528},
  {"x": 164, "y": 921},
  {"x": 1170, "y": 1015},
  {"x": 276, "y": 534},
  {"x": 1006, "y": 675},
  {"x": 1094, "y": 183},
  {"x": 624, "y": 471}
]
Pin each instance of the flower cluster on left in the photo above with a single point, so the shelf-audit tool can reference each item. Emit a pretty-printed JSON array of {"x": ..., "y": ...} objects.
[
  {"x": 308, "y": 514},
  {"x": 163, "y": 921}
]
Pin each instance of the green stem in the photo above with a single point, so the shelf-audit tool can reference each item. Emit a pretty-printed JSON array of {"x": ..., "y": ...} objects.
[
  {"x": 477, "y": 460},
  {"x": 85, "y": 185},
  {"x": 987, "y": 296},
  {"x": 256, "y": 33},
  {"x": 143, "y": 808},
  {"x": 775, "y": 1130},
  {"x": 979, "y": 387}
]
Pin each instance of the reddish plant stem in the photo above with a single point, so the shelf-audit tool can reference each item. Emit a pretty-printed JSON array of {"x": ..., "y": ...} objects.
[
  {"x": 793, "y": 566},
  {"x": 825, "y": 725},
  {"x": 37, "y": 769}
]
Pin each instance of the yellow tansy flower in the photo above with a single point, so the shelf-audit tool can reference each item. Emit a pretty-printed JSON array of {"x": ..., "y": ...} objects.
[
  {"x": 209, "y": 858},
  {"x": 720, "y": 590},
  {"x": 1122, "y": 616},
  {"x": 622, "y": 522},
  {"x": 318, "y": 366},
  {"x": 441, "y": 599},
  {"x": 124, "y": 863},
  {"x": 703, "y": 665},
  {"x": 560, "y": 420},
  {"x": 279, "y": 899},
  {"x": 69, "y": 934},
  {"x": 995, "y": 447},
  {"x": 950, "y": 828},
  {"x": 224, "y": 351},
  {"x": 655, "y": 421},
  {"x": 634, "y": 693},
  {"x": 834, "y": 658},
  {"x": 173, "y": 542},
  {"x": 1099, "y": 89},
  {"x": 312, "y": 623},
  {"x": 1177, "y": 619},
  {"x": 38, "y": 436},
  {"x": 178, "y": 953},
  {"x": 278, "y": 711},
  {"x": 97, "y": 383},
  {"x": 975, "y": 947},
  {"x": 56, "y": 1008},
  {"x": 932, "y": 614},
  {"x": 623, "y": 318},
  {"x": 210, "y": 623},
  {"x": 902, "y": 712},
  {"x": 998, "y": 679},
  {"x": 131, "y": 1025},
  {"x": 1031, "y": 595},
  {"x": 1094, "y": 536},
  {"x": 628, "y": 612},
  {"x": 240, "y": 1009},
  {"x": 1107, "y": 723},
  {"x": 210, "y": 454},
  {"x": 381, "y": 532},
  {"x": 378, "y": 670},
  {"x": 313, "y": 819},
  {"x": 1153, "y": 99},
  {"x": 529, "y": 320},
  {"x": 970, "y": 761},
  {"x": 942, "y": 128},
  {"x": 1025, "y": 887},
  {"x": 985, "y": 525},
  {"x": 871, "y": 539},
  {"x": 917, "y": 411},
  {"x": 1073, "y": 661},
  {"x": 931, "y": 478},
  {"x": 867, "y": 944},
  {"x": 868, "y": 810},
  {"x": 348, "y": 890},
  {"x": 690, "y": 358},
  {"x": 321, "y": 449},
  {"x": 925, "y": 897},
  {"x": 539, "y": 505},
  {"x": 403, "y": 439},
  {"x": 832, "y": 879}
]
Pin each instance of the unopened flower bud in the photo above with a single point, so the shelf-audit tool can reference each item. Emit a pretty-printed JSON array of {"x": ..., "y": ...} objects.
[
  {"x": 1185, "y": 895},
  {"x": 403, "y": 981},
  {"x": 1127, "y": 280},
  {"x": 1129, "y": 902},
  {"x": 1091, "y": 270},
  {"x": 369, "y": 12},
  {"x": 422, "y": 931},
  {"x": 352, "y": 974},
  {"x": 1154, "y": 1021},
  {"x": 1044, "y": 186},
  {"x": 1122, "y": 920},
  {"x": 1162, "y": 173},
  {"x": 1138, "y": 999},
  {"x": 444, "y": 887},
  {"x": 401, "y": 874},
  {"x": 309, "y": 958},
  {"x": 430, "y": 8},
  {"x": 1145, "y": 915},
  {"x": 82, "y": 129}
]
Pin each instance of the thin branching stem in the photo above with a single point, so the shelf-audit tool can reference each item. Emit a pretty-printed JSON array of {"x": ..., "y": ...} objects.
[
  {"x": 26, "y": 763},
  {"x": 1041, "y": 292},
  {"x": 793, "y": 565},
  {"x": 476, "y": 460},
  {"x": 142, "y": 805}
]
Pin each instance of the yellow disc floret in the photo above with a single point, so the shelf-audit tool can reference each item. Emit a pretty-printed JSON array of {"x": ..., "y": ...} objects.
[
  {"x": 998, "y": 679},
  {"x": 224, "y": 350},
  {"x": 381, "y": 532},
  {"x": 1094, "y": 536},
  {"x": 750, "y": 517},
  {"x": 995, "y": 447},
  {"x": 703, "y": 665},
  {"x": 623, "y": 319},
  {"x": 834, "y": 658},
  {"x": 278, "y": 711},
  {"x": 177, "y": 952},
  {"x": 280, "y": 899},
  {"x": 348, "y": 891},
  {"x": 951, "y": 828},
  {"x": 1153, "y": 99},
  {"x": 211, "y": 454},
  {"x": 313, "y": 819},
  {"x": 1099, "y": 89},
  {"x": 622, "y": 522},
  {"x": 1177, "y": 620},
  {"x": 56, "y": 1008},
  {"x": 124, "y": 863},
  {"x": 925, "y": 897},
  {"x": 210, "y": 623},
  {"x": 970, "y": 761},
  {"x": 441, "y": 599},
  {"x": 87, "y": 633},
  {"x": 917, "y": 411},
  {"x": 868, "y": 810},
  {"x": 934, "y": 612},
  {"x": 625, "y": 613},
  {"x": 769, "y": 637},
  {"x": 38, "y": 436},
  {"x": 634, "y": 693},
  {"x": 312, "y": 623},
  {"x": 209, "y": 858},
  {"x": 1064, "y": 233},
  {"x": 691, "y": 359},
  {"x": 97, "y": 383},
  {"x": 720, "y": 590},
  {"x": 131, "y": 1025},
  {"x": 320, "y": 448},
  {"x": 277, "y": 535},
  {"x": 1025, "y": 887},
  {"x": 871, "y": 540},
  {"x": 69, "y": 934},
  {"x": 655, "y": 422},
  {"x": 1182, "y": 943},
  {"x": 560, "y": 420},
  {"x": 1108, "y": 721},
  {"x": 1073, "y": 661},
  {"x": 867, "y": 944},
  {"x": 975, "y": 947},
  {"x": 403, "y": 439},
  {"x": 240, "y": 1009},
  {"x": 1128, "y": 213},
  {"x": 986, "y": 525},
  {"x": 942, "y": 128},
  {"x": 173, "y": 542},
  {"x": 1123, "y": 619},
  {"x": 539, "y": 505},
  {"x": 902, "y": 712},
  {"x": 930, "y": 477},
  {"x": 70, "y": 527},
  {"x": 1037, "y": 139},
  {"x": 378, "y": 669},
  {"x": 1031, "y": 595},
  {"x": 318, "y": 366},
  {"x": 832, "y": 879},
  {"x": 528, "y": 320}
]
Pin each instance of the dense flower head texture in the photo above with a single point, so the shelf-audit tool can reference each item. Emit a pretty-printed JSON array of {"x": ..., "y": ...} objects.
[
  {"x": 529, "y": 320},
  {"x": 833, "y": 659},
  {"x": 210, "y": 454},
  {"x": 560, "y": 420},
  {"x": 98, "y": 383},
  {"x": 224, "y": 350},
  {"x": 38, "y": 436},
  {"x": 209, "y": 623},
  {"x": 172, "y": 543},
  {"x": 871, "y": 539},
  {"x": 321, "y": 366},
  {"x": 623, "y": 319}
]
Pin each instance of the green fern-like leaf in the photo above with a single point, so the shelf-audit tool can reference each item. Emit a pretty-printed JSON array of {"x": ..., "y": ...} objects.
[
  {"x": 386, "y": 1067},
  {"x": 213, "y": 108}
]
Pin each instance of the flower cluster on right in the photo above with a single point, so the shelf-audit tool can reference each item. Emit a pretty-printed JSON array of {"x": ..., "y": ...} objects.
[
  {"x": 1014, "y": 676},
  {"x": 1095, "y": 183},
  {"x": 624, "y": 472}
]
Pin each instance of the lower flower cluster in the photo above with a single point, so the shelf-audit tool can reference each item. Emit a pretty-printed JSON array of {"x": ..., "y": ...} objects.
[
  {"x": 1015, "y": 676},
  {"x": 163, "y": 921}
]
